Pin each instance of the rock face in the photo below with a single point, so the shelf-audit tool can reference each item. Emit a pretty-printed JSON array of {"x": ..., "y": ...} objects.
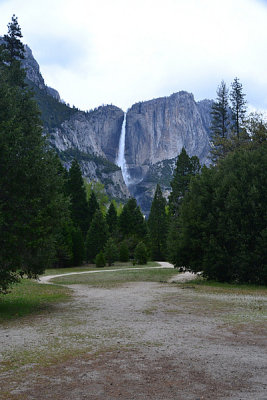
[
  {"x": 156, "y": 131},
  {"x": 90, "y": 137}
]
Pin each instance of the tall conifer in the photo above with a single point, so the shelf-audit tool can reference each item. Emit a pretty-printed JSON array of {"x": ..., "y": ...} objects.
[
  {"x": 157, "y": 225},
  {"x": 76, "y": 191}
]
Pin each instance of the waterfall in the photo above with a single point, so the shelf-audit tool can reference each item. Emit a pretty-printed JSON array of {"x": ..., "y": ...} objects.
[{"x": 121, "y": 162}]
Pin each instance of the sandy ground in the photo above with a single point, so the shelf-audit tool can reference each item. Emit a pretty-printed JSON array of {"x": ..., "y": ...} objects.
[{"x": 138, "y": 341}]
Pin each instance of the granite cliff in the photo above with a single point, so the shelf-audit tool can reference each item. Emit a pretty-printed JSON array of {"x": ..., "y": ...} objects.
[
  {"x": 156, "y": 131},
  {"x": 91, "y": 137}
]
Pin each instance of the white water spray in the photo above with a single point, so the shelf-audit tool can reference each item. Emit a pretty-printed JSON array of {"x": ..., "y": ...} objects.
[{"x": 121, "y": 162}]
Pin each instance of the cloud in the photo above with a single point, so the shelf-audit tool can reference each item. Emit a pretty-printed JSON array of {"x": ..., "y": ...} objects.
[{"x": 121, "y": 51}]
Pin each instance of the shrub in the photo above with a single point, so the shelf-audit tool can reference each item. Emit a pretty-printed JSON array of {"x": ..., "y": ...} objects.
[
  {"x": 100, "y": 260},
  {"x": 140, "y": 253}
]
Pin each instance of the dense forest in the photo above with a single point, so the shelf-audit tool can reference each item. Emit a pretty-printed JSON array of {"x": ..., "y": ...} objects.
[{"x": 215, "y": 219}]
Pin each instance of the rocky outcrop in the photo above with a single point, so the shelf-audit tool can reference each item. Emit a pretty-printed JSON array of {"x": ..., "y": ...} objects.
[
  {"x": 156, "y": 131},
  {"x": 90, "y": 137},
  {"x": 95, "y": 132}
]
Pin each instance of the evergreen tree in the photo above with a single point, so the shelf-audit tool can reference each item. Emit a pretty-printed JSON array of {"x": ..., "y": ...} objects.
[
  {"x": 111, "y": 251},
  {"x": 77, "y": 247},
  {"x": 79, "y": 206},
  {"x": 112, "y": 219},
  {"x": 93, "y": 206},
  {"x": 238, "y": 106},
  {"x": 223, "y": 219},
  {"x": 97, "y": 236},
  {"x": 186, "y": 167},
  {"x": 157, "y": 225},
  {"x": 124, "y": 252},
  {"x": 33, "y": 206},
  {"x": 12, "y": 53},
  {"x": 131, "y": 220},
  {"x": 100, "y": 260},
  {"x": 220, "y": 122},
  {"x": 219, "y": 112},
  {"x": 140, "y": 254}
]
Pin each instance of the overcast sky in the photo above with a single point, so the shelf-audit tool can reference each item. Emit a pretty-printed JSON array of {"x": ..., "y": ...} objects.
[{"x": 98, "y": 52}]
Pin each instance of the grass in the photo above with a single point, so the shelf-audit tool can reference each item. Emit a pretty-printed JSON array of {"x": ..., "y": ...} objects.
[
  {"x": 92, "y": 267},
  {"x": 115, "y": 278},
  {"x": 29, "y": 297},
  {"x": 204, "y": 285}
]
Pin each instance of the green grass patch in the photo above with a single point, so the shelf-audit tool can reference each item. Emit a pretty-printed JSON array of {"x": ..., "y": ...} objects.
[
  {"x": 92, "y": 267},
  {"x": 109, "y": 279},
  {"x": 28, "y": 297},
  {"x": 226, "y": 288}
]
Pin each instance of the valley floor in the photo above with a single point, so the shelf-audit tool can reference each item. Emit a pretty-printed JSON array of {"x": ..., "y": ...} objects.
[{"x": 139, "y": 340}]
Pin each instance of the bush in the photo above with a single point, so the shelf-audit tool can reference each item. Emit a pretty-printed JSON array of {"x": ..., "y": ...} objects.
[
  {"x": 100, "y": 260},
  {"x": 140, "y": 253}
]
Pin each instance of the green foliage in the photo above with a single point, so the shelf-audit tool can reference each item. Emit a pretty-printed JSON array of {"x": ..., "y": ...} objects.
[
  {"x": 77, "y": 247},
  {"x": 222, "y": 225},
  {"x": 32, "y": 203},
  {"x": 238, "y": 106},
  {"x": 111, "y": 252},
  {"x": 220, "y": 113},
  {"x": 97, "y": 236},
  {"x": 105, "y": 165},
  {"x": 76, "y": 191},
  {"x": 124, "y": 252},
  {"x": 100, "y": 260},
  {"x": 112, "y": 219},
  {"x": 157, "y": 225},
  {"x": 93, "y": 206},
  {"x": 98, "y": 189},
  {"x": 186, "y": 167},
  {"x": 131, "y": 220},
  {"x": 140, "y": 254}
]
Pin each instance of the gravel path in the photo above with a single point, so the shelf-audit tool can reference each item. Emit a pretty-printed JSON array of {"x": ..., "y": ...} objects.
[{"x": 138, "y": 341}]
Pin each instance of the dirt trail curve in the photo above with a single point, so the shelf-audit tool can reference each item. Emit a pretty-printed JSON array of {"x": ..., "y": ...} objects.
[{"x": 138, "y": 341}]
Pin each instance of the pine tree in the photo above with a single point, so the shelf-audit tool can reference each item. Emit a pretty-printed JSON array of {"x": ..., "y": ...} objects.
[
  {"x": 124, "y": 252},
  {"x": 13, "y": 53},
  {"x": 220, "y": 122},
  {"x": 131, "y": 220},
  {"x": 157, "y": 224},
  {"x": 112, "y": 219},
  {"x": 238, "y": 106},
  {"x": 97, "y": 236},
  {"x": 79, "y": 206},
  {"x": 32, "y": 204},
  {"x": 186, "y": 167},
  {"x": 111, "y": 251},
  {"x": 93, "y": 206},
  {"x": 100, "y": 260},
  {"x": 220, "y": 113},
  {"x": 140, "y": 254}
]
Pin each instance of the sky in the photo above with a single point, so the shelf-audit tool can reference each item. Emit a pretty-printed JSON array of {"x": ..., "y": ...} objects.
[{"x": 121, "y": 52}]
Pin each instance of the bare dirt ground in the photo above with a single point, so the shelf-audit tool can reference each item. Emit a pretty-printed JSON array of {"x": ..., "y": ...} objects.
[{"x": 138, "y": 341}]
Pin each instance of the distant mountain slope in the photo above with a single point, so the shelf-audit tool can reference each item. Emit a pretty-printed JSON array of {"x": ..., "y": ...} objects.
[
  {"x": 156, "y": 131},
  {"x": 90, "y": 137}
]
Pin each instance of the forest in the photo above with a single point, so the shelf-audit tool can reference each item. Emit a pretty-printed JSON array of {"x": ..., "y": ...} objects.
[{"x": 214, "y": 221}]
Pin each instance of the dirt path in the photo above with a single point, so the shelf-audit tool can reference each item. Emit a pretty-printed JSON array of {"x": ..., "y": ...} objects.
[{"x": 138, "y": 341}]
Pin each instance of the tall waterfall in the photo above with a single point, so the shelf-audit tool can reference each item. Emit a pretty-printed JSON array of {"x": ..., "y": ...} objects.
[{"x": 121, "y": 162}]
